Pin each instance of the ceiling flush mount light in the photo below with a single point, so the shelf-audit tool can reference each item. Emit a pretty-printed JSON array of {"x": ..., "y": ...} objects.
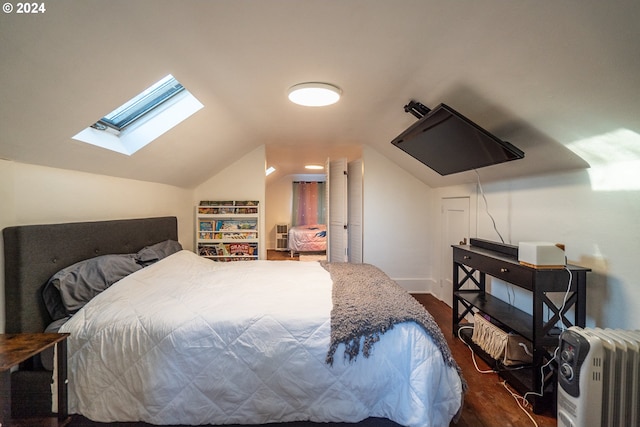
[
  {"x": 314, "y": 94},
  {"x": 314, "y": 167}
]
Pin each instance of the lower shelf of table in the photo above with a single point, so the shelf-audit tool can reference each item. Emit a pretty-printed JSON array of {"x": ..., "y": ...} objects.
[
  {"x": 520, "y": 378},
  {"x": 37, "y": 422}
]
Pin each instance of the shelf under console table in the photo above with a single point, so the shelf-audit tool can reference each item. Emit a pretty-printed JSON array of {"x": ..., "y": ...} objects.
[
  {"x": 471, "y": 266},
  {"x": 18, "y": 348}
]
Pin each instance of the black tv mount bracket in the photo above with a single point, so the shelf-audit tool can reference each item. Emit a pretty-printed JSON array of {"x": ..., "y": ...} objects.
[{"x": 417, "y": 109}]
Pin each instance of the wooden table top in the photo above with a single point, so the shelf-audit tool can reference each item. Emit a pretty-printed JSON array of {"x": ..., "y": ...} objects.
[{"x": 16, "y": 348}]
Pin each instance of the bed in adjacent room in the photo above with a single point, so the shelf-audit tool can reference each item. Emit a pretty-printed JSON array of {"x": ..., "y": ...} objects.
[
  {"x": 308, "y": 238},
  {"x": 184, "y": 340}
]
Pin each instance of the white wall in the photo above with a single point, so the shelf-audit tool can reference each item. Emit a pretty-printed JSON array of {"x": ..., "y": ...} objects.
[
  {"x": 279, "y": 195},
  {"x": 397, "y": 213},
  {"x": 241, "y": 180},
  {"x": 600, "y": 229},
  {"x": 39, "y": 195}
]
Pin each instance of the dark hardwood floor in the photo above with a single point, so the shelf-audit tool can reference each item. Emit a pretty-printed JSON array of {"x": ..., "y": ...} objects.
[
  {"x": 273, "y": 255},
  {"x": 487, "y": 402}
]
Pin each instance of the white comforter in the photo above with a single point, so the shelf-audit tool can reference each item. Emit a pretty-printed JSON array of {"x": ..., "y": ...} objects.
[{"x": 190, "y": 341}]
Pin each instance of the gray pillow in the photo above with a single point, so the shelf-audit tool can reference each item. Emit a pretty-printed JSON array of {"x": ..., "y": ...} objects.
[
  {"x": 53, "y": 301},
  {"x": 150, "y": 254},
  {"x": 80, "y": 282},
  {"x": 70, "y": 289}
]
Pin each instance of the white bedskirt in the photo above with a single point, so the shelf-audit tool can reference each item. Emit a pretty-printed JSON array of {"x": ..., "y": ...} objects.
[{"x": 191, "y": 341}]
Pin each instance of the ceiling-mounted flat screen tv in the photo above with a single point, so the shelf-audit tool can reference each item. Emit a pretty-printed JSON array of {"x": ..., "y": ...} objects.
[{"x": 448, "y": 142}]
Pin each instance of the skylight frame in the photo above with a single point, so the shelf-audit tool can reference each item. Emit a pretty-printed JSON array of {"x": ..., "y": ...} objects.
[{"x": 141, "y": 105}]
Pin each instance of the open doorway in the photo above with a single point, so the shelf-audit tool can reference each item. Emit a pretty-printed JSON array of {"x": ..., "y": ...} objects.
[
  {"x": 289, "y": 166},
  {"x": 307, "y": 235},
  {"x": 281, "y": 200}
]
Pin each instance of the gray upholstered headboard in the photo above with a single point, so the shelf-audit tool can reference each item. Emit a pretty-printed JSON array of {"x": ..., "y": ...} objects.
[{"x": 34, "y": 253}]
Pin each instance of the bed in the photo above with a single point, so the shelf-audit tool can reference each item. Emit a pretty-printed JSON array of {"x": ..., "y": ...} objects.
[
  {"x": 308, "y": 238},
  {"x": 184, "y": 340}
]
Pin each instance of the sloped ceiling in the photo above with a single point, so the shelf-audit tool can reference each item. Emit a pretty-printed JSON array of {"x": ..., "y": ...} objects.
[{"x": 540, "y": 74}]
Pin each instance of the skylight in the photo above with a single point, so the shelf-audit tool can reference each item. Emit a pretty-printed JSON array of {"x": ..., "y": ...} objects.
[
  {"x": 143, "y": 118},
  {"x": 142, "y": 104}
]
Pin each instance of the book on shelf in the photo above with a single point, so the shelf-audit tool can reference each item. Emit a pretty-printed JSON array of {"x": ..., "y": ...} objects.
[
  {"x": 237, "y": 236},
  {"x": 205, "y": 250},
  {"x": 222, "y": 210},
  {"x": 240, "y": 249},
  {"x": 226, "y": 210},
  {"x": 206, "y": 225},
  {"x": 228, "y": 203},
  {"x": 216, "y": 203},
  {"x": 245, "y": 211},
  {"x": 230, "y": 235},
  {"x": 235, "y": 225},
  {"x": 229, "y": 250}
]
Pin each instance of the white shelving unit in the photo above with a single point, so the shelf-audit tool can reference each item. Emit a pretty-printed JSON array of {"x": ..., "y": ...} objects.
[
  {"x": 282, "y": 237},
  {"x": 227, "y": 230}
]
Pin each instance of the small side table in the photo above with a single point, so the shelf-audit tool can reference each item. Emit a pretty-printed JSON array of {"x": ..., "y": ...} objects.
[{"x": 15, "y": 349}]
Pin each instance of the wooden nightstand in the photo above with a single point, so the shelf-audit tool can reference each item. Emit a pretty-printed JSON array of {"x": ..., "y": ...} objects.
[{"x": 17, "y": 348}]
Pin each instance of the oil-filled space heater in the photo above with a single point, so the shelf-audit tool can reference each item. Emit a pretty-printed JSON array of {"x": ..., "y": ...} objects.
[{"x": 599, "y": 378}]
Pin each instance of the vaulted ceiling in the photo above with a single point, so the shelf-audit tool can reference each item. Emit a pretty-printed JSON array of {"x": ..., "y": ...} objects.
[{"x": 538, "y": 73}]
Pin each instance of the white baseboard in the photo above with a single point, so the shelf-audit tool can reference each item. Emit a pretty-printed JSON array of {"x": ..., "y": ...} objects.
[{"x": 417, "y": 285}]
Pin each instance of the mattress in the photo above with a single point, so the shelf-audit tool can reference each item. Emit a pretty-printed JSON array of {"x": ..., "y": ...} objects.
[
  {"x": 308, "y": 238},
  {"x": 190, "y": 341}
]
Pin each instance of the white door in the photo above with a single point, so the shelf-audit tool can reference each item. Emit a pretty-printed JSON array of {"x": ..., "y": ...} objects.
[
  {"x": 338, "y": 236},
  {"x": 354, "y": 184},
  {"x": 455, "y": 230}
]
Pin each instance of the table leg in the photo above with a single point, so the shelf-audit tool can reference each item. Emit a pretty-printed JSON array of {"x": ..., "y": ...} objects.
[
  {"x": 5, "y": 397},
  {"x": 61, "y": 351}
]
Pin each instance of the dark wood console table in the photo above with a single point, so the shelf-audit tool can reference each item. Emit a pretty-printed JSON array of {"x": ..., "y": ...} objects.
[
  {"x": 472, "y": 263},
  {"x": 17, "y": 348}
]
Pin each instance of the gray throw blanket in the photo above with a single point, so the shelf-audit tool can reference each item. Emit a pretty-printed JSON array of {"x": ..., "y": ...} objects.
[{"x": 367, "y": 303}]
